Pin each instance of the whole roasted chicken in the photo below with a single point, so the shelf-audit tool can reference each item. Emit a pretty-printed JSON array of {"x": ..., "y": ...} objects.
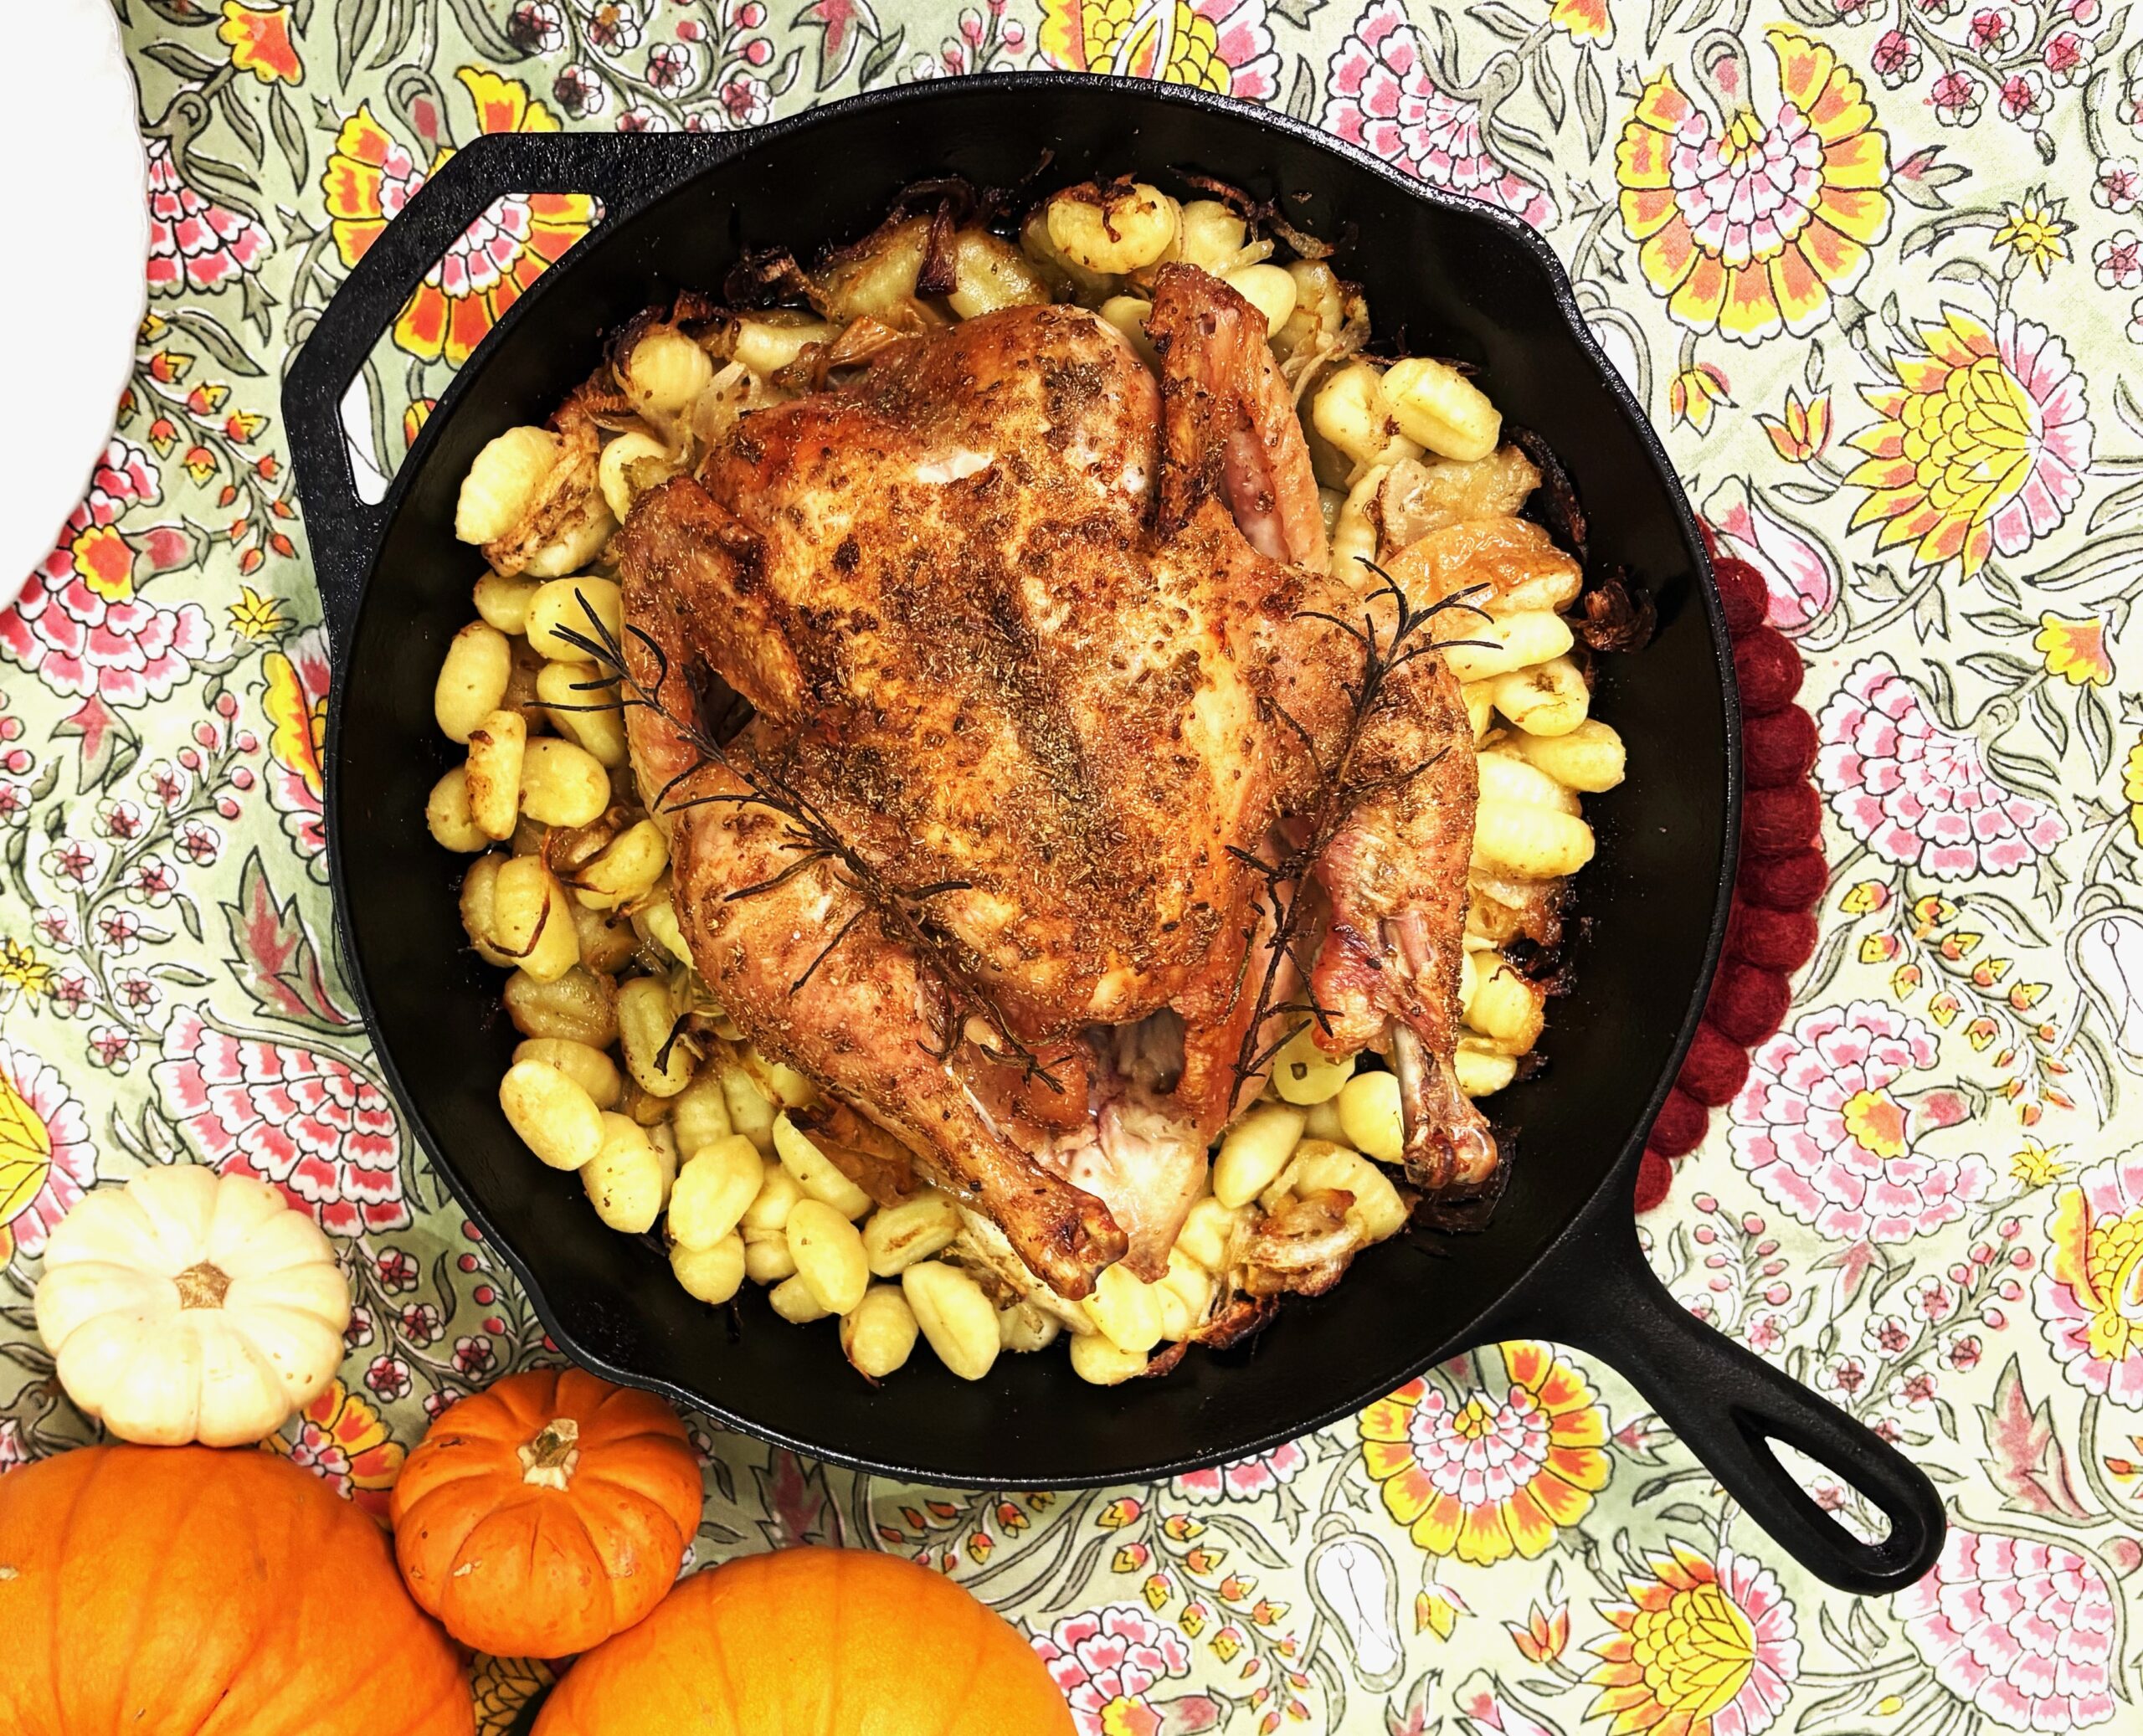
[{"x": 1068, "y": 782}]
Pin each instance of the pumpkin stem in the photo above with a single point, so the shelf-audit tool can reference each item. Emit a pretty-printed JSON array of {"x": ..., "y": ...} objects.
[
  {"x": 203, "y": 1286},
  {"x": 550, "y": 1458}
]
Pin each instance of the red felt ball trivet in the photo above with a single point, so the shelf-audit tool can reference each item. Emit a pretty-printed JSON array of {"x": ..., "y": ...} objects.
[
  {"x": 1772, "y": 929},
  {"x": 1747, "y": 1003},
  {"x": 1767, "y": 669},
  {"x": 1741, "y": 595},
  {"x": 1773, "y": 821},
  {"x": 1680, "y": 1125},
  {"x": 1792, "y": 882},
  {"x": 1778, "y": 747},
  {"x": 1654, "y": 1176},
  {"x": 1716, "y": 1067},
  {"x": 1771, "y": 939}
]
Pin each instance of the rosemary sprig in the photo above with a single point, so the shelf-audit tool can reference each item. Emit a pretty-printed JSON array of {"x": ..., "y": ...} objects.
[
  {"x": 1340, "y": 791},
  {"x": 902, "y": 912}
]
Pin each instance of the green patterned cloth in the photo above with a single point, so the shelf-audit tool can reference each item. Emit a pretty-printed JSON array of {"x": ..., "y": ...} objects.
[{"x": 1873, "y": 265}]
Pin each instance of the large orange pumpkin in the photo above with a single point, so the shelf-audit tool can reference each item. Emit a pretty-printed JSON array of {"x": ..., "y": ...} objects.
[
  {"x": 547, "y": 1512},
  {"x": 812, "y": 1642},
  {"x": 184, "y": 1591}
]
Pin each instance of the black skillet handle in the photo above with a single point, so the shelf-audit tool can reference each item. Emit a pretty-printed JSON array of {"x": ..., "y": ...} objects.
[
  {"x": 1595, "y": 1292},
  {"x": 619, "y": 170}
]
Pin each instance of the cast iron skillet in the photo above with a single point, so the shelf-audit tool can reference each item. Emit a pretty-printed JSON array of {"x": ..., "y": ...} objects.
[{"x": 1560, "y": 1261}]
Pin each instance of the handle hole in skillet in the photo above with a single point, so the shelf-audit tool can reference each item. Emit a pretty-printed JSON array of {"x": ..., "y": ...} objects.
[
  {"x": 1857, "y": 1516},
  {"x": 363, "y": 433},
  {"x": 482, "y": 272}
]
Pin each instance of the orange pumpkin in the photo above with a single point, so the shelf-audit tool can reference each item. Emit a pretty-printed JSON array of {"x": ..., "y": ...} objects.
[
  {"x": 547, "y": 1512},
  {"x": 185, "y": 1591},
  {"x": 812, "y": 1642}
]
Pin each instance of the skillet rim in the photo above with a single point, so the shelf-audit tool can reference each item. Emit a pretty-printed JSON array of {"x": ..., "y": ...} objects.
[{"x": 1581, "y": 1210}]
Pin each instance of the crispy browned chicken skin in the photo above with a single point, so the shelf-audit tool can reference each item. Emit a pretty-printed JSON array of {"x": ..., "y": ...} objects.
[{"x": 1042, "y": 647}]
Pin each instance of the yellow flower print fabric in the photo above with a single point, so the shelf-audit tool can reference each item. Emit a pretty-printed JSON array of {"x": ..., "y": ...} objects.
[{"x": 1876, "y": 271}]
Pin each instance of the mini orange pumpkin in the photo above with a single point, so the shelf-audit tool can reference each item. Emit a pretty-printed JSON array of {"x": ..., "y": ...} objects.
[
  {"x": 812, "y": 1642},
  {"x": 173, "y": 1591},
  {"x": 547, "y": 1512}
]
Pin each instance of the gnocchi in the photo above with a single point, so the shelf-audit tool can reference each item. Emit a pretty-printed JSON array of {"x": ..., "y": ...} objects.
[
  {"x": 766, "y": 343},
  {"x": 828, "y": 1251},
  {"x": 1352, "y": 413},
  {"x": 897, "y": 1236},
  {"x": 1304, "y": 1074},
  {"x": 712, "y": 1192},
  {"x": 1128, "y": 315},
  {"x": 954, "y": 1317},
  {"x": 1324, "y": 1121},
  {"x": 1125, "y": 1309},
  {"x": 1508, "y": 1008},
  {"x": 472, "y": 679},
  {"x": 1371, "y": 1117},
  {"x": 795, "y": 1300},
  {"x": 1589, "y": 757},
  {"x": 628, "y": 466},
  {"x": 1102, "y": 1362},
  {"x": 1266, "y": 288},
  {"x": 778, "y": 1196},
  {"x": 1320, "y": 312},
  {"x": 989, "y": 274},
  {"x": 580, "y": 1006},
  {"x": 491, "y": 775},
  {"x": 816, "y": 1173},
  {"x": 579, "y": 707},
  {"x": 1505, "y": 778},
  {"x": 529, "y": 922},
  {"x": 699, "y": 1114},
  {"x": 658, "y": 1060},
  {"x": 503, "y": 601},
  {"x": 588, "y": 1066},
  {"x": 1544, "y": 698},
  {"x": 555, "y": 1118},
  {"x": 1482, "y": 1071},
  {"x": 658, "y": 918},
  {"x": 1025, "y": 1328},
  {"x": 561, "y": 785},
  {"x": 750, "y": 1113},
  {"x": 878, "y": 1334},
  {"x": 564, "y": 607},
  {"x": 1500, "y": 645},
  {"x": 1186, "y": 1295},
  {"x": 626, "y": 1180},
  {"x": 1377, "y": 1205},
  {"x": 665, "y": 371},
  {"x": 1354, "y": 531},
  {"x": 1208, "y": 1233},
  {"x": 1114, "y": 229},
  {"x": 1213, "y": 237},
  {"x": 1528, "y": 842},
  {"x": 710, "y": 1275},
  {"x": 767, "y": 1258},
  {"x": 1439, "y": 409},
  {"x": 1254, "y": 1151},
  {"x": 503, "y": 483},
  {"x": 450, "y": 819}
]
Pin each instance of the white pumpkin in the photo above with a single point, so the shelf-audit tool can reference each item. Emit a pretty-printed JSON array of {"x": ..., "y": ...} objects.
[{"x": 190, "y": 1306}]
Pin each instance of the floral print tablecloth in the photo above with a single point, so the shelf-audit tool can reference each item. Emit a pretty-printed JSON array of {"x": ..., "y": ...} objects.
[{"x": 1875, "y": 265}]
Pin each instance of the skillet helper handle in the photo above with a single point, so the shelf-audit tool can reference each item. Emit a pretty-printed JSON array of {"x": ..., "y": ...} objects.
[
  {"x": 1595, "y": 1291},
  {"x": 345, "y": 531}
]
